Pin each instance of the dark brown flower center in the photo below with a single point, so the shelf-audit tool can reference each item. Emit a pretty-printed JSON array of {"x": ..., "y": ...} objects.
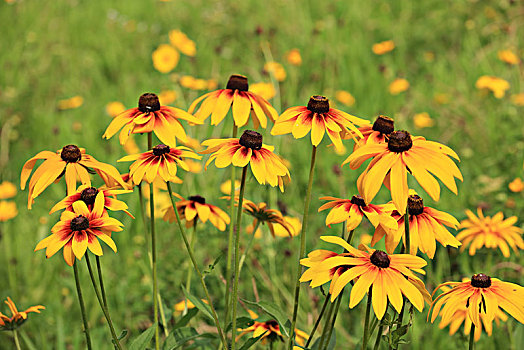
[
  {"x": 251, "y": 139},
  {"x": 415, "y": 205},
  {"x": 380, "y": 259},
  {"x": 79, "y": 223},
  {"x": 160, "y": 150},
  {"x": 237, "y": 82},
  {"x": 148, "y": 102},
  {"x": 198, "y": 199},
  {"x": 399, "y": 141},
  {"x": 89, "y": 195},
  {"x": 481, "y": 280},
  {"x": 272, "y": 323},
  {"x": 71, "y": 154},
  {"x": 358, "y": 200},
  {"x": 318, "y": 104},
  {"x": 384, "y": 125}
]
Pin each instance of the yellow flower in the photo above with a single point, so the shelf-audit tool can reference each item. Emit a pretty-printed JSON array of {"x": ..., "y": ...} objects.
[
  {"x": 179, "y": 40},
  {"x": 276, "y": 69},
  {"x": 365, "y": 239},
  {"x": 518, "y": 99},
  {"x": 265, "y": 90},
  {"x": 212, "y": 84},
  {"x": 516, "y": 185},
  {"x": 130, "y": 146},
  {"x": 294, "y": 225},
  {"x": 508, "y": 56},
  {"x": 383, "y": 47},
  {"x": 115, "y": 108},
  {"x": 165, "y": 58},
  {"x": 200, "y": 84},
  {"x": 17, "y": 318},
  {"x": 181, "y": 306},
  {"x": 166, "y": 97},
  {"x": 7, "y": 210},
  {"x": 398, "y": 85},
  {"x": 7, "y": 190},
  {"x": 293, "y": 57},
  {"x": 345, "y": 98},
  {"x": 226, "y": 187},
  {"x": 187, "y": 81},
  {"x": 497, "y": 85},
  {"x": 422, "y": 120},
  {"x": 70, "y": 103}
]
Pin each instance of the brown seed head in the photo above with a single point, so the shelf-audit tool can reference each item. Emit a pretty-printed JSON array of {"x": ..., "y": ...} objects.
[
  {"x": 380, "y": 259},
  {"x": 237, "y": 82},
  {"x": 160, "y": 150},
  {"x": 358, "y": 200},
  {"x": 415, "y": 205},
  {"x": 88, "y": 195},
  {"x": 251, "y": 139},
  {"x": 71, "y": 154},
  {"x": 79, "y": 223},
  {"x": 148, "y": 102},
  {"x": 399, "y": 141},
  {"x": 481, "y": 280},
  {"x": 384, "y": 125},
  {"x": 318, "y": 104},
  {"x": 198, "y": 199}
]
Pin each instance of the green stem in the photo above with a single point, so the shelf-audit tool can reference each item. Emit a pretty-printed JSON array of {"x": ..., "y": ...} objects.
[
  {"x": 408, "y": 250},
  {"x": 153, "y": 256},
  {"x": 195, "y": 265},
  {"x": 326, "y": 326},
  {"x": 317, "y": 322},
  {"x": 332, "y": 326},
  {"x": 82, "y": 306},
  {"x": 17, "y": 342},
  {"x": 302, "y": 246},
  {"x": 101, "y": 302},
  {"x": 189, "y": 269},
  {"x": 234, "y": 299},
  {"x": 366, "y": 322},
  {"x": 379, "y": 334},
  {"x": 472, "y": 337},
  {"x": 249, "y": 245},
  {"x": 101, "y": 280}
]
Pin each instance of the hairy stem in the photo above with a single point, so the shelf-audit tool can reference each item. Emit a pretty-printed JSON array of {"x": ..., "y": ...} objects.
[{"x": 82, "y": 306}]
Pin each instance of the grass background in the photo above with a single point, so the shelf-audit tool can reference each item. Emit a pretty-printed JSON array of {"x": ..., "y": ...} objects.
[{"x": 101, "y": 50}]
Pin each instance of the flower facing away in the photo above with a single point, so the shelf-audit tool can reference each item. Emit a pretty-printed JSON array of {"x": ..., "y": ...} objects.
[
  {"x": 383, "y": 47},
  {"x": 393, "y": 160},
  {"x": 398, "y": 85},
  {"x": 237, "y": 97},
  {"x": 293, "y": 56},
  {"x": 353, "y": 210},
  {"x": 426, "y": 226},
  {"x": 196, "y": 208},
  {"x": 387, "y": 276},
  {"x": 266, "y": 166},
  {"x": 180, "y": 40},
  {"x": 70, "y": 162},
  {"x": 497, "y": 85},
  {"x": 318, "y": 118},
  {"x": 18, "y": 317},
  {"x": 80, "y": 229},
  {"x": 165, "y": 58},
  {"x": 161, "y": 161},
  {"x": 150, "y": 116},
  {"x": 483, "y": 297},
  {"x": 508, "y": 57},
  {"x": 479, "y": 231},
  {"x": 269, "y": 331},
  {"x": 272, "y": 217},
  {"x": 372, "y": 133}
]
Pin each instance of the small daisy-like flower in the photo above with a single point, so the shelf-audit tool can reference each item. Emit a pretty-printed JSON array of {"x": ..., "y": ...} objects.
[
  {"x": 266, "y": 166},
  {"x": 372, "y": 133},
  {"x": 516, "y": 185},
  {"x": 72, "y": 163},
  {"x": 276, "y": 70},
  {"x": 180, "y": 40},
  {"x": 353, "y": 210},
  {"x": 195, "y": 207},
  {"x": 150, "y": 116},
  {"x": 426, "y": 226},
  {"x": 115, "y": 108},
  {"x": 165, "y": 58},
  {"x": 17, "y": 317},
  {"x": 508, "y": 57},
  {"x": 8, "y": 209},
  {"x": 81, "y": 229},
  {"x": 345, "y": 98},
  {"x": 383, "y": 47},
  {"x": 496, "y": 85},
  {"x": 236, "y": 96},
  {"x": 393, "y": 160},
  {"x": 272, "y": 217},
  {"x": 7, "y": 190},
  {"x": 270, "y": 331},
  {"x": 482, "y": 296},
  {"x": 388, "y": 276},
  {"x": 398, "y": 85},
  {"x": 161, "y": 161},
  {"x": 491, "y": 232},
  {"x": 225, "y": 187},
  {"x": 293, "y": 57},
  {"x": 318, "y": 118},
  {"x": 265, "y": 90},
  {"x": 71, "y": 103},
  {"x": 423, "y": 120}
]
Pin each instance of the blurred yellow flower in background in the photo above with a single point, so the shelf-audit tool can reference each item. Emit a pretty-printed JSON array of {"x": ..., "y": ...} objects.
[
  {"x": 265, "y": 90},
  {"x": 508, "y": 57},
  {"x": 398, "y": 85},
  {"x": 167, "y": 97},
  {"x": 441, "y": 98},
  {"x": 276, "y": 69},
  {"x": 193, "y": 83},
  {"x": 180, "y": 41},
  {"x": 130, "y": 147},
  {"x": 194, "y": 167},
  {"x": 423, "y": 120},
  {"x": 516, "y": 185},
  {"x": 7, "y": 210},
  {"x": 518, "y": 99},
  {"x": 383, "y": 47},
  {"x": 345, "y": 98},
  {"x": 70, "y": 103},
  {"x": 225, "y": 187},
  {"x": 115, "y": 108},
  {"x": 165, "y": 58},
  {"x": 293, "y": 56},
  {"x": 7, "y": 190},
  {"x": 497, "y": 85},
  {"x": 212, "y": 84},
  {"x": 294, "y": 225}
]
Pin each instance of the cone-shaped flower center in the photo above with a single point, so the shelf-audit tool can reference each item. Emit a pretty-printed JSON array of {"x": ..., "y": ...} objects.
[
  {"x": 481, "y": 280},
  {"x": 272, "y": 323},
  {"x": 251, "y": 139},
  {"x": 71, "y": 154},
  {"x": 380, "y": 259},
  {"x": 160, "y": 149},
  {"x": 318, "y": 104},
  {"x": 384, "y": 125},
  {"x": 415, "y": 205},
  {"x": 79, "y": 223},
  {"x": 399, "y": 141},
  {"x": 88, "y": 195},
  {"x": 358, "y": 200},
  {"x": 148, "y": 102},
  {"x": 198, "y": 199},
  {"x": 237, "y": 82}
]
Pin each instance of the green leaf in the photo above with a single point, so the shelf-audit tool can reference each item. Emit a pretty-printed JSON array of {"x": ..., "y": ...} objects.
[
  {"x": 186, "y": 318},
  {"x": 143, "y": 340},
  {"x": 242, "y": 322},
  {"x": 250, "y": 342},
  {"x": 122, "y": 335},
  {"x": 273, "y": 311},
  {"x": 179, "y": 337},
  {"x": 211, "y": 267},
  {"x": 206, "y": 309}
]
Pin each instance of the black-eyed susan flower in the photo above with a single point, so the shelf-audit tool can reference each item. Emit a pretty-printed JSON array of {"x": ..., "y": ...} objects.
[
  {"x": 272, "y": 217},
  {"x": 388, "y": 276},
  {"x": 165, "y": 58},
  {"x": 237, "y": 97},
  {"x": 70, "y": 162},
  {"x": 265, "y": 90},
  {"x": 426, "y": 227},
  {"x": 81, "y": 229},
  {"x": 185, "y": 304},
  {"x": 150, "y": 116},
  {"x": 266, "y": 166},
  {"x": 393, "y": 160},
  {"x": 195, "y": 208},
  {"x": 269, "y": 331},
  {"x": 372, "y": 133},
  {"x": 294, "y": 225},
  {"x": 161, "y": 161},
  {"x": 482, "y": 296},
  {"x": 17, "y": 317},
  {"x": 491, "y": 232},
  {"x": 353, "y": 210},
  {"x": 318, "y": 118}
]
